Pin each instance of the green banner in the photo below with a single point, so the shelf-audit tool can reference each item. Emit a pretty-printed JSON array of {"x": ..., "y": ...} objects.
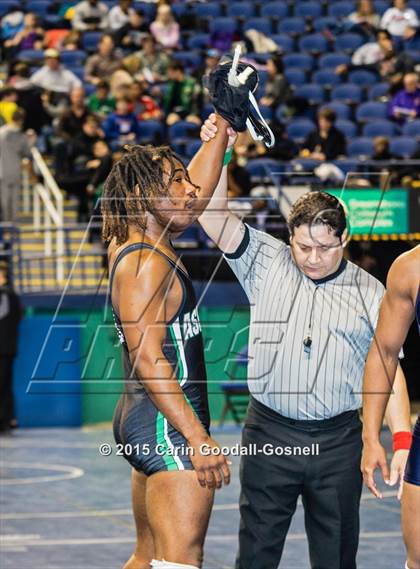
[{"x": 374, "y": 211}]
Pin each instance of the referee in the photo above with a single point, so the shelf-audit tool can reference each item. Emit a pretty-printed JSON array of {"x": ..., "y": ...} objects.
[{"x": 312, "y": 321}]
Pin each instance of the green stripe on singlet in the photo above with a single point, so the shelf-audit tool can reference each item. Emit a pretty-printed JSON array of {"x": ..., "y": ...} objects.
[{"x": 162, "y": 438}]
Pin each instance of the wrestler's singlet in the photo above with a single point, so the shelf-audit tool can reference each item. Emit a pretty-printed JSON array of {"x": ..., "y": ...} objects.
[{"x": 151, "y": 443}]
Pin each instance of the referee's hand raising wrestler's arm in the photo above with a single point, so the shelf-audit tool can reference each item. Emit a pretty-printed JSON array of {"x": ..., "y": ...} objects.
[
  {"x": 150, "y": 296},
  {"x": 221, "y": 225}
]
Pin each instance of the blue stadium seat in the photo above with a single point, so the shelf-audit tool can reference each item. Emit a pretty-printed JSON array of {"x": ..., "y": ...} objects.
[
  {"x": 291, "y": 26},
  {"x": 360, "y": 147},
  {"x": 260, "y": 24},
  {"x": 295, "y": 76},
  {"x": 78, "y": 70},
  {"x": 412, "y": 128},
  {"x": 342, "y": 110},
  {"x": 313, "y": 43},
  {"x": 206, "y": 111},
  {"x": 403, "y": 145},
  {"x": 326, "y": 77},
  {"x": 304, "y": 166},
  {"x": 89, "y": 88},
  {"x": 414, "y": 54},
  {"x": 192, "y": 148},
  {"x": 150, "y": 131},
  {"x": 347, "y": 93},
  {"x": 198, "y": 41},
  {"x": 340, "y": 9},
  {"x": 285, "y": 42},
  {"x": 241, "y": 9},
  {"x": 363, "y": 78},
  {"x": 371, "y": 111},
  {"x": 223, "y": 24},
  {"x": 188, "y": 239},
  {"x": 31, "y": 55},
  {"x": 302, "y": 61},
  {"x": 381, "y": 6},
  {"x": 182, "y": 129},
  {"x": 299, "y": 129},
  {"x": 313, "y": 92},
  {"x": 261, "y": 167},
  {"x": 308, "y": 9},
  {"x": 333, "y": 60},
  {"x": 348, "y": 128},
  {"x": 347, "y": 166},
  {"x": 267, "y": 112},
  {"x": 378, "y": 91},
  {"x": 274, "y": 9},
  {"x": 325, "y": 23},
  {"x": 207, "y": 10},
  {"x": 179, "y": 9},
  {"x": 348, "y": 42},
  {"x": 39, "y": 7},
  {"x": 8, "y": 5},
  {"x": 90, "y": 40},
  {"x": 379, "y": 128},
  {"x": 148, "y": 8},
  {"x": 189, "y": 59},
  {"x": 72, "y": 58}
]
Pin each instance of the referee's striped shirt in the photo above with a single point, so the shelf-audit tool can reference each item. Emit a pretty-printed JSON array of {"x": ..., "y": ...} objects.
[{"x": 325, "y": 380}]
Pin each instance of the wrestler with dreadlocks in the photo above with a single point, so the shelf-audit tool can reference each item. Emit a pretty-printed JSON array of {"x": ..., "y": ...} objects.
[{"x": 162, "y": 418}]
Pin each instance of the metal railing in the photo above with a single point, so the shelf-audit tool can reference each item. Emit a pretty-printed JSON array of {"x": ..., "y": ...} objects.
[{"x": 48, "y": 211}]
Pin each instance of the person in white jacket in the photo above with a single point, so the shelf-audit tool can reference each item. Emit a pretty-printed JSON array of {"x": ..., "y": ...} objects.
[{"x": 398, "y": 18}]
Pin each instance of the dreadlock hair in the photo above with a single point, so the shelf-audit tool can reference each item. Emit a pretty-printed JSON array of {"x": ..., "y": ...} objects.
[{"x": 122, "y": 204}]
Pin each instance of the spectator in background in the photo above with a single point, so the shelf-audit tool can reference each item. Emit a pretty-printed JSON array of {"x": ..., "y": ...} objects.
[
  {"x": 152, "y": 63},
  {"x": 411, "y": 38},
  {"x": 90, "y": 15},
  {"x": 144, "y": 107},
  {"x": 53, "y": 76},
  {"x": 101, "y": 102},
  {"x": 99, "y": 167},
  {"x": 30, "y": 37},
  {"x": 239, "y": 179},
  {"x": 405, "y": 105},
  {"x": 365, "y": 20},
  {"x": 211, "y": 61},
  {"x": 277, "y": 89},
  {"x": 29, "y": 98},
  {"x": 326, "y": 142},
  {"x": 165, "y": 29},
  {"x": 74, "y": 178},
  {"x": 121, "y": 126},
  {"x": 14, "y": 146},
  {"x": 389, "y": 65},
  {"x": 10, "y": 315},
  {"x": 132, "y": 33},
  {"x": 398, "y": 18},
  {"x": 70, "y": 125},
  {"x": 11, "y": 24},
  {"x": 181, "y": 96},
  {"x": 8, "y": 104},
  {"x": 101, "y": 65},
  {"x": 370, "y": 53},
  {"x": 382, "y": 153},
  {"x": 120, "y": 14},
  {"x": 72, "y": 119},
  {"x": 71, "y": 41}
]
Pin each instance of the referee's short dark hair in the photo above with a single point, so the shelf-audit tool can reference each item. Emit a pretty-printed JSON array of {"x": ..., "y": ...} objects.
[{"x": 316, "y": 208}]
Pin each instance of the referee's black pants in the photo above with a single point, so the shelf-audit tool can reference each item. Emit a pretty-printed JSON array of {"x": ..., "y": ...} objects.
[{"x": 330, "y": 485}]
